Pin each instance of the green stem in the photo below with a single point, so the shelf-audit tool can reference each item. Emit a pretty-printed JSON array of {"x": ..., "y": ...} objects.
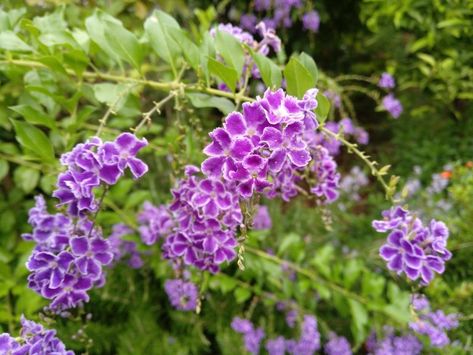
[{"x": 352, "y": 148}]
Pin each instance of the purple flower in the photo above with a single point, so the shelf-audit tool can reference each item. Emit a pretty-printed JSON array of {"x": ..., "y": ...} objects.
[
  {"x": 248, "y": 22},
  {"x": 262, "y": 5},
  {"x": 325, "y": 169},
  {"x": 311, "y": 21},
  {"x": 337, "y": 345},
  {"x": 34, "y": 339},
  {"x": 155, "y": 222},
  {"x": 182, "y": 295},
  {"x": 386, "y": 81},
  {"x": 122, "y": 248},
  {"x": 309, "y": 340},
  {"x": 276, "y": 346},
  {"x": 432, "y": 324},
  {"x": 393, "y": 345},
  {"x": 411, "y": 248},
  {"x": 49, "y": 268},
  {"x": 121, "y": 154},
  {"x": 93, "y": 163},
  {"x": 262, "y": 219},
  {"x": 392, "y": 105},
  {"x": 252, "y": 337},
  {"x": 90, "y": 255}
]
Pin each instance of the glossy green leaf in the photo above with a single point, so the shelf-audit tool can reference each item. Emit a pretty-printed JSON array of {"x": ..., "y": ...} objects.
[
  {"x": 11, "y": 42},
  {"x": 188, "y": 47},
  {"x": 26, "y": 178},
  {"x": 203, "y": 100},
  {"x": 34, "y": 116},
  {"x": 298, "y": 78},
  {"x": 359, "y": 321},
  {"x": 157, "y": 29},
  {"x": 96, "y": 28},
  {"x": 323, "y": 107},
  {"x": 308, "y": 62},
  {"x": 228, "y": 75},
  {"x": 270, "y": 72},
  {"x": 231, "y": 50},
  {"x": 34, "y": 140},
  {"x": 242, "y": 294}
]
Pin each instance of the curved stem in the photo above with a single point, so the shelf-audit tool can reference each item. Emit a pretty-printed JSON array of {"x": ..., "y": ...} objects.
[{"x": 352, "y": 148}]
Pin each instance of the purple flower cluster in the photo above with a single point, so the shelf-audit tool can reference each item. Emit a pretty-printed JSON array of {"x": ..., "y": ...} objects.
[
  {"x": 93, "y": 163},
  {"x": 70, "y": 251},
  {"x": 411, "y": 247},
  {"x": 199, "y": 224},
  {"x": 349, "y": 130},
  {"x": 337, "y": 345},
  {"x": 325, "y": 169},
  {"x": 277, "y": 14},
  {"x": 252, "y": 336},
  {"x": 122, "y": 248},
  {"x": 269, "y": 40},
  {"x": 307, "y": 344},
  {"x": 334, "y": 98},
  {"x": 265, "y": 149},
  {"x": 309, "y": 340},
  {"x": 392, "y": 105},
  {"x": 155, "y": 221},
  {"x": 68, "y": 258},
  {"x": 262, "y": 219},
  {"x": 311, "y": 21},
  {"x": 392, "y": 344},
  {"x": 432, "y": 323},
  {"x": 183, "y": 295},
  {"x": 386, "y": 81},
  {"x": 34, "y": 339}
]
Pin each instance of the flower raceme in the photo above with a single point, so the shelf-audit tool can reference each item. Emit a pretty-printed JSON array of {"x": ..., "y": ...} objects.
[
  {"x": 93, "y": 164},
  {"x": 199, "y": 225},
  {"x": 33, "y": 339},
  {"x": 411, "y": 247},
  {"x": 266, "y": 148},
  {"x": 70, "y": 251}
]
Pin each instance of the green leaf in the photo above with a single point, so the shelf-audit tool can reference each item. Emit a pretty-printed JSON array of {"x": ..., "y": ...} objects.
[
  {"x": 123, "y": 42},
  {"x": 204, "y": 100},
  {"x": 113, "y": 38},
  {"x": 157, "y": 28},
  {"x": 34, "y": 116},
  {"x": 298, "y": 78},
  {"x": 228, "y": 75},
  {"x": 4, "y": 168},
  {"x": 270, "y": 72},
  {"x": 308, "y": 62},
  {"x": 351, "y": 272},
  {"x": 359, "y": 321},
  {"x": 26, "y": 178},
  {"x": 323, "y": 107},
  {"x": 189, "y": 48},
  {"x": 242, "y": 294},
  {"x": 34, "y": 140},
  {"x": 96, "y": 29},
  {"x": 231, "y": 50},
  {"x": 114, "y": 95},
  {"x": 11, "y": 42}
]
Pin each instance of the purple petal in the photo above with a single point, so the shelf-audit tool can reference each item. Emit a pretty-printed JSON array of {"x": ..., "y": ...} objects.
[
  {"x": 276, "y": 160},
  {"x": 241, "y": 148},
  {"x": 396, "y": 263},
  {"x": 299, "y": 158},
  {"x": 137, "y": 167},
  {"x": 387, "y": 252},
  {"x": 235, "y": 124},
  {"x": 253, "y": 163},
  {"x": 222, "y": 137},
  {"x": 213, "y": 166},
  {"x": 110, "y": 174},
  {"x": 272, "y": 137},
  {"x": 79, "y": 245}
]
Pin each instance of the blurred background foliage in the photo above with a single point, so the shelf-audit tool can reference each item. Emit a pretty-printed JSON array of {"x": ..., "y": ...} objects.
[{"x": 426, "y": 44}]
